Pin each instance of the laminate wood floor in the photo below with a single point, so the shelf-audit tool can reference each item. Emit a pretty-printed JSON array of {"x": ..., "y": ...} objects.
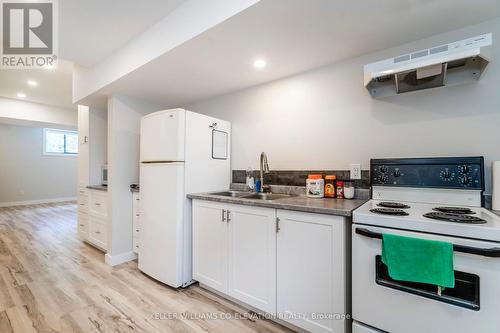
[{"x": 50, "y": 281}]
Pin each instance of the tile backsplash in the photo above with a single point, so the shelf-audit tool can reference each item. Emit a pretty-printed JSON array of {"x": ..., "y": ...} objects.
[{"x": 298, "y": 178}]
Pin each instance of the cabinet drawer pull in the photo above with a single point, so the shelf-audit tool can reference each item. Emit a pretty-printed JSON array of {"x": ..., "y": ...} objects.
[
  {"x": 137, "y": 230},
  {"x": 228, "y": 216},
  {"x": 223, "y": 215},
  {"x": 98, "y": 232},
  {"x": 82, "y": 225},
  {"x": 137, "y": 215},
  {"x": 97, "y": 204}
]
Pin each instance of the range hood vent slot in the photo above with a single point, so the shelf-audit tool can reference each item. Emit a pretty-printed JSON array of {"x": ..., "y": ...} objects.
[{"x": 445, "y": 65}]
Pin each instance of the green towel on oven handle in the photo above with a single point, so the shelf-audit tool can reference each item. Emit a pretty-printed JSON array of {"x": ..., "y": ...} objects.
[{"x": 419, "y": 260}]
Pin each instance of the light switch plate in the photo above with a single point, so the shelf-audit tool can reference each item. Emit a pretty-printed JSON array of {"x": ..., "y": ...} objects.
[{"x": 355, "y": 171}]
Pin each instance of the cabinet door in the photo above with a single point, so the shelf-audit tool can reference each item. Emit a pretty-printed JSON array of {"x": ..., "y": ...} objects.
[
  {"x": 210, "y": 245},
  {"x": 252, "y": 256},
  {"x": 83, "y": 225},
  {"x": 135, "y": 221},
  {"x": 311, "y": 270},
  {"x": 97, "y": 232}
]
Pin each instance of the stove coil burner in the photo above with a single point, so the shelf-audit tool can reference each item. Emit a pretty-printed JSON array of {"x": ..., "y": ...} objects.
[
  {"x": 389, "y": 211},
  {"x": 458, "y": 218},
  {"x": 388, "y": 204},
  {"x": 454, "y": 210}
]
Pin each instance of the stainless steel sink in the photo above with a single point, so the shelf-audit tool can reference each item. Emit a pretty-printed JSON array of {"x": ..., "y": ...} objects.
[
  {"x": 234, "y": 194},
  {"x": 266, "y": 196}
]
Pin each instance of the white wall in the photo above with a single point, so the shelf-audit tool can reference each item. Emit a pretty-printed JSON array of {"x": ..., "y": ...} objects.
[
  {"x": 124, "y": 116},
  {"x": 20, "y": 112},
  {"x": 98, "y": 123},
  {"x": 28, "y": 175},
  {"x": 325, "y": 119}
]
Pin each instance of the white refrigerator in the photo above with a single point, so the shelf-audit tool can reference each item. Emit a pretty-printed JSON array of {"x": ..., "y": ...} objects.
[{"x": 181, "y": 152}]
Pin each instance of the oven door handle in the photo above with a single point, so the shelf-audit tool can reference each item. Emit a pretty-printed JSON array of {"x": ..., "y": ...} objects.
[{"x": 493, "y": 252}]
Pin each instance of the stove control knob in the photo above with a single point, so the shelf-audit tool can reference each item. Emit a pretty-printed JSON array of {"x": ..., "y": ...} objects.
[
  {"x": 465, "y": 180},
  {"x": 396, "y": 173},
  {"x": 383, "y": 169},
  {"x": 382, "y": 178},
  {"x": 464, "y": 169},
  {"x": 446, "y": 174}
]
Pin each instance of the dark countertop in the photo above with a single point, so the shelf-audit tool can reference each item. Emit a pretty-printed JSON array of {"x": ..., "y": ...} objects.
[
  {"x": 496, "y": 212},
  {"x": 98, "y": 187},
  {"x": 341, "y": 207}
]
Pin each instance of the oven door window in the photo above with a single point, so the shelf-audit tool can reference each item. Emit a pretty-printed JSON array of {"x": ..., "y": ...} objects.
[{"x": 465, "y": 294}]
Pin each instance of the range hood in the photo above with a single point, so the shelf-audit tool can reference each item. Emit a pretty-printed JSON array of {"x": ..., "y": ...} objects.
[{"x": 444, "y": 65}]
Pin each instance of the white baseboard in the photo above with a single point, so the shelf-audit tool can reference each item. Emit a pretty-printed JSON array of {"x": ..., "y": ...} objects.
[
  {"x": 119, "y": 258},
  {"x": 36, "y": 202}
]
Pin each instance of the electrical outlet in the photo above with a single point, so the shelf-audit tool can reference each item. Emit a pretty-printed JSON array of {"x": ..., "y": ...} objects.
[{"x": 355, "y": 171}]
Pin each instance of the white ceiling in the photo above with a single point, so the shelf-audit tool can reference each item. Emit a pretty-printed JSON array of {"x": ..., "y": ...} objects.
[
  {"x": 90, "y": 30},
  {"x": 54, "y": 85},
  {"x": 294, "y": 36}
]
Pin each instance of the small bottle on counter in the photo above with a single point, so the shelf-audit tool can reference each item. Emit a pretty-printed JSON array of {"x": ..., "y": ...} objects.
[
  {"x": 249, "y": 179},
  {"x": 330, "y": 186},
  {"x": 315, "y": 186},
  {"x": 340, "y": 189},
  {"x": 349, "y": 190}
]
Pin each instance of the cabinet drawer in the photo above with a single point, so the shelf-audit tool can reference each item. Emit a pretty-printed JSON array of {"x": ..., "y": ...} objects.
[
  {"x": 136, "y": 243},
  {"x": 135, "y": 222},
  {"x": 83, "y": 203},
  {"x": 98, "y": 232},
  {"x": 136, "y": 202},
  {"x": 98, "y": 203},
  {"x": 82, "y": 191},
  {"x": 83, "y": 224}
]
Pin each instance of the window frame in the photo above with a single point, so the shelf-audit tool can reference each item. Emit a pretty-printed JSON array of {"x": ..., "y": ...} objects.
[{"x": 65, "y": 153}]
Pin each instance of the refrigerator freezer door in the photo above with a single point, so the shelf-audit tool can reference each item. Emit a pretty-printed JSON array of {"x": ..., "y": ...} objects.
[
  {"x": 162, "y": 136},
  {"x": 162, "y": 219}
]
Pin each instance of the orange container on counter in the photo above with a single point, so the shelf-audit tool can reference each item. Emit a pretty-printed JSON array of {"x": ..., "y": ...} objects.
[{"x": 330, "y": 186}]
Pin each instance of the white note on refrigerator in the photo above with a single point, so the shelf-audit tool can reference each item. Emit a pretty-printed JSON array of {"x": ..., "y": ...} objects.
[{"x": 219, "y": 144}]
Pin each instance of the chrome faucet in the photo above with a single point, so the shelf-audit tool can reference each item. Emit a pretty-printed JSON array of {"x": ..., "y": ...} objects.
[{"x": 264, "y": 168}]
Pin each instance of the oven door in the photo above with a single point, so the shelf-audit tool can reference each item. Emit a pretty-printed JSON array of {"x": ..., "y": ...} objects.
[{"x": 401, "y": 307}]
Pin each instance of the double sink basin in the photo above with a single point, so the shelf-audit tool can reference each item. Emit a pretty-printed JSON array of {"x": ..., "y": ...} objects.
[{"x": 255, "y": 196}]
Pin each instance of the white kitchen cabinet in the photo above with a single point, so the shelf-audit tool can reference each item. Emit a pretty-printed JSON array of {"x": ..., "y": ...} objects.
[
  {"x": 252, "y": 256},
  {"x": 97, "y": 234},
  {"x": 95, "y": 220},
  {"x": 92, "y": 151},
  {"x": 312, "y": 270},
  {"x": 210, "y": 245},
  {"x": 135, "y": 220},
  {"x": 292, "y": 264},
  {"x": 83, "y": 225},
  {"x": 83, "y": 210},
  {"x": 234, "y": 251}
]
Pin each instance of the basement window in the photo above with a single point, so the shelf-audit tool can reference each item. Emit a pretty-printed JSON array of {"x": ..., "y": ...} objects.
[{"x": 60, "y": 142}]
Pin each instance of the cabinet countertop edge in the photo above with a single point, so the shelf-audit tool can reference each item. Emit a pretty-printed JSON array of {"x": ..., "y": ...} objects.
[
  {"x": 98, "y": 187},
  {"x": 339, "y": 207}
]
